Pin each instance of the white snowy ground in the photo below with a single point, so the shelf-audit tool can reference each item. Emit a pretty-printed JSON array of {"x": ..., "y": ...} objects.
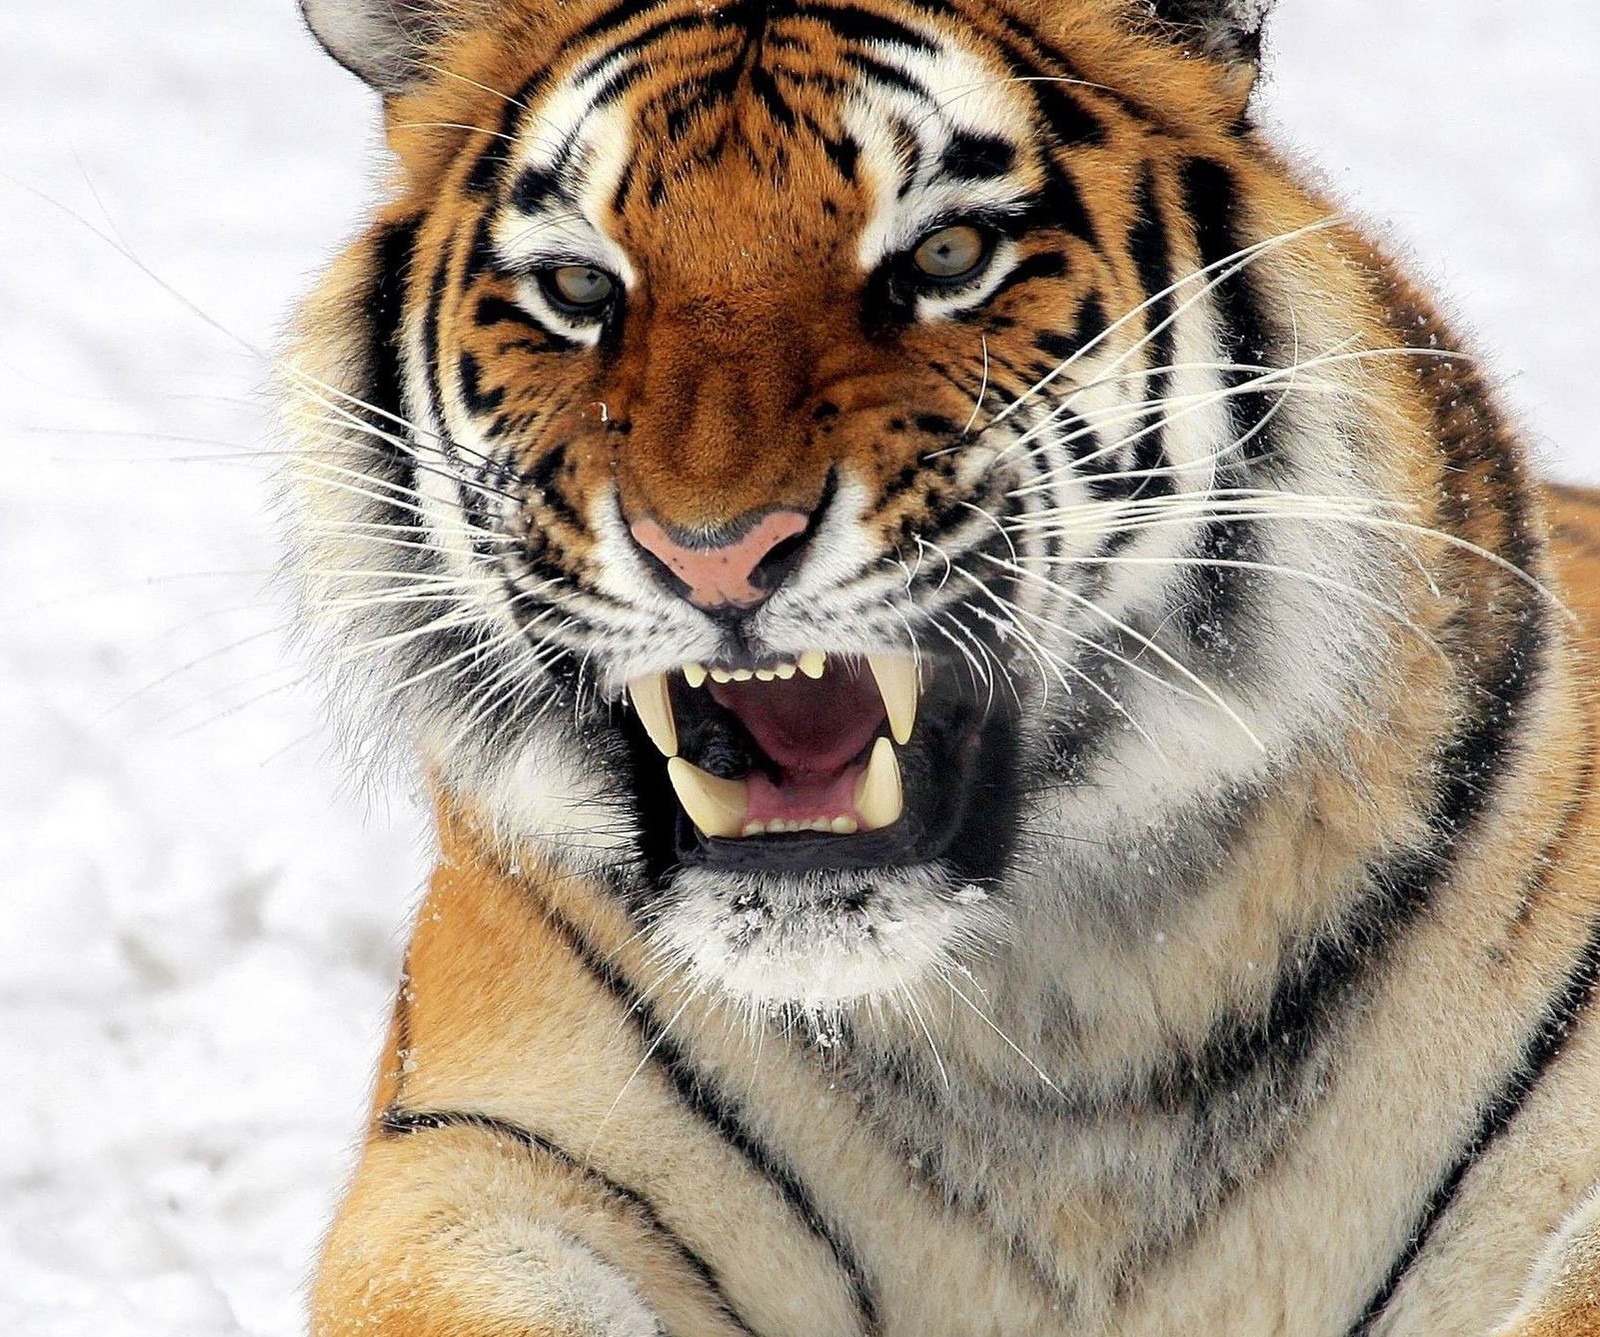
[{"x": 198, "y": 920}]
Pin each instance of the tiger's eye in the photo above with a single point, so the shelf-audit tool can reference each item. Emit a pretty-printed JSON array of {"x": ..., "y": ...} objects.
[
  {"x": 582, "y": 286},
  {"x": 951, "y": 252}
]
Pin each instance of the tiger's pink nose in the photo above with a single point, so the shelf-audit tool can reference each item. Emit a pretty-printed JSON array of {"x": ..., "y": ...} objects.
[{"x": 738, "y": 575}]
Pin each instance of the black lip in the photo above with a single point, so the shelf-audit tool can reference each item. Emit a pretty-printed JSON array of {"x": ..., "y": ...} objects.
[{"x": 962, "y": 799}]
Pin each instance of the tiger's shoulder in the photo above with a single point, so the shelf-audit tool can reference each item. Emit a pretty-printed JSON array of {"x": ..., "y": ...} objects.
[{"x": 1562, "y": 1295}]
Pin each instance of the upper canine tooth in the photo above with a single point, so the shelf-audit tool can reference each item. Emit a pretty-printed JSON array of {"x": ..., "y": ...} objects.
[
  {"x": 879, "y": 797},
  {"x": 813, "y": 663},
  {"x": 694, "y": 674},
  {"x": 654, "y": 704},
  {"x": 716, "y": 806},
  {"x": 897, "y": 683}
]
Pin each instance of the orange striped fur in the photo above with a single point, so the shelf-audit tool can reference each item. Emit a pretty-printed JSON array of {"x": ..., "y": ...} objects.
[{"x": 1220, "y": 958}]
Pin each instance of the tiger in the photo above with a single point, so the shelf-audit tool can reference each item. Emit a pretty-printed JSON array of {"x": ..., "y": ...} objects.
[{"x": 1011, "y": 731}]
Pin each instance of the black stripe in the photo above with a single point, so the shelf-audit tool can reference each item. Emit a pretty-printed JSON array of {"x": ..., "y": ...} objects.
[
  {"x": 1059, "y": 204},
  {"x": 1215, "y": 611},
  {"x": 1542, "y": 1048},
  {"x": 619, "y": 83},
  {"x": 1071, "y": 122},
  {"x": 1091, "y": 323},
  {"x": 701, "y": 1094},
  {"x": 1051, "y": 60},
  {"x": 1312, "y": 993},
  {"x": 396, "y": 1122},
  {"x": 1211, "y": 198},
  {"x": 843, "y": 152},
  {"x": 493, "y": 310},
  {"x": 974, "y": 157},
  {"x": 394, "y": 251},
  {"x": 854, "y": 24},
  {"x": 437, "y": 287},
  {"x": 886, "y": 74},
  {"x": 540, "y": 482},
  {"x": 479, "y": 401},
  {"x": 1040, "y": 265},
  {"x": 486, "y": 170},
  {"x": 648, "y": 36},
  {"x": 1213, "y": 616},
  {"x": 606, "y": 21},
  {"x": 766, "y": 90},
  {"x": 386, "y": 300},
  {"x": 533, "y": 189},
  {"x": 1150, "y": 245}
]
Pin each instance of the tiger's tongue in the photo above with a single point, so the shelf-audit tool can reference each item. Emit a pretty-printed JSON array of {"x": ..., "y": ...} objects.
[{"x": 812, "y": 729}]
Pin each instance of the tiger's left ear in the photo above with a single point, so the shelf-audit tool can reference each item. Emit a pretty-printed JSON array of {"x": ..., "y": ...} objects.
[
  {"x": 1225, "y": 31},
  {"x": 383, "y": 41}
]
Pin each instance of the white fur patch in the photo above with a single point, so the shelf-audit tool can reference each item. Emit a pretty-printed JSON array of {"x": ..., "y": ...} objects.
[
  {"x": 821, "y": 941},
  {"x": 536, "y": 1275}
]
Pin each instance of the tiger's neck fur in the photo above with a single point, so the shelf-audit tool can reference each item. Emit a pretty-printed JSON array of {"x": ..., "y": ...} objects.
[{"x": 1166, "y": 1060}]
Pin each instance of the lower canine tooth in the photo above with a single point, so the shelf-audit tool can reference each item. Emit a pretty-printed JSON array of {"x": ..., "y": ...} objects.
[
  {"x": 896, "y": 676},
  {"x": 879, "y": 797},
  {"x": 654, "y": 704},
  {"x": 716, "y": 806},
  {"x": 813, "y": 663}
]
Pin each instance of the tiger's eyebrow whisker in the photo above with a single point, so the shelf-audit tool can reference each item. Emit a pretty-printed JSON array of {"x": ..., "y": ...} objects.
[
  {"x": 473, "y": 83},
  {"x": 454, "y": 125}
]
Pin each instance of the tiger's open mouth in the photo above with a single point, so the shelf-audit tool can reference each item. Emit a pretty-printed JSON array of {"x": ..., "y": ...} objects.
[{"x": 827, "y": 761}]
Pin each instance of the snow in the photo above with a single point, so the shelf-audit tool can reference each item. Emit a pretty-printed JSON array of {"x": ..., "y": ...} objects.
[{"x": 202, "y": 920}]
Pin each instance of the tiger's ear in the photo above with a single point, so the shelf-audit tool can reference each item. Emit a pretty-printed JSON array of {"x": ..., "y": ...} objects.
[
  {"x": 382, "y": 41},
  {"x": 1227, "y": 31}
]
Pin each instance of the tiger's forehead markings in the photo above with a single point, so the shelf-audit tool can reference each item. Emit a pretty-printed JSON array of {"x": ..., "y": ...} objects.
[
  {"x": 943, "y": 132},
  {"x": 564, "y": 164},
  {"x": 938, "y": 127}
]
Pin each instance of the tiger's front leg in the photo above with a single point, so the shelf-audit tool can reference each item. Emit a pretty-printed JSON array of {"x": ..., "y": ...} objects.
[
  {"x": 463, "y": 1231},
  {"x": 479, "y": 1208}
]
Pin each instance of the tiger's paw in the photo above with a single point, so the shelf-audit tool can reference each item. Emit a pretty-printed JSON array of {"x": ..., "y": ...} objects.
[{"x": 543, "y": 1283}]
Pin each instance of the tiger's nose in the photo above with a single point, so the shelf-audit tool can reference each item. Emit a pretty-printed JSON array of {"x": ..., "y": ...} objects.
[{"x": 741, "y": 574}]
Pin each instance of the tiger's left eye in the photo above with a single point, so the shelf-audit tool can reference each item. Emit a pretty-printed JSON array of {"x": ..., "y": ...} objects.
[
  {"x": 951, "y": 253},
  {"x": 579, "y": 290}
]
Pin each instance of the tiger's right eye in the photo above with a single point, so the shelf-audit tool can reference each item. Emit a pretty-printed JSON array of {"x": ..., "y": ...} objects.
[
  {"x": 952, "y": 254},
  {"x": 579, "y": 290}
]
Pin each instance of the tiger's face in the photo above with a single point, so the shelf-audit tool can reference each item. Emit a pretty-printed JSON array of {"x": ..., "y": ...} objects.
[{"x": 798, "y": 452}]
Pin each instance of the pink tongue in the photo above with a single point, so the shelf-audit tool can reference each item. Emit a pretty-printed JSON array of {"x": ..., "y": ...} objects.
[
  {"x": 803, "y": 798},
  {"x": 812, "y": 729}
]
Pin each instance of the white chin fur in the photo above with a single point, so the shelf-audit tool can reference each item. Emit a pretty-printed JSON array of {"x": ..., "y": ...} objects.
[{"x": 821, "y": 941}]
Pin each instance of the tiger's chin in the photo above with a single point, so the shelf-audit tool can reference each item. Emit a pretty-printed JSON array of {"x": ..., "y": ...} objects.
[{"x": 822, "y": 942}]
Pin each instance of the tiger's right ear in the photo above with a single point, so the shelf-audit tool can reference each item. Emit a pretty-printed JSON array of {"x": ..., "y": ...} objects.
[{"x": 381, "y": 41}]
